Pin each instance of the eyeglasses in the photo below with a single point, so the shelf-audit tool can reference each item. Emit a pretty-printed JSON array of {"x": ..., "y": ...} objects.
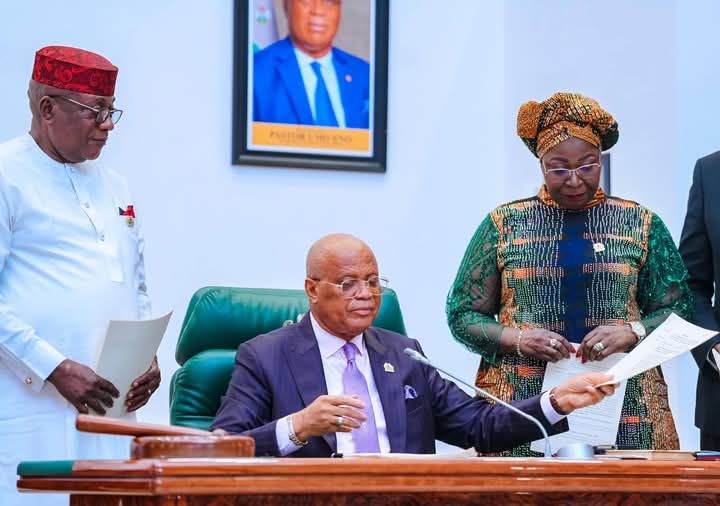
[
  {"x": 583, "y": 172},
  {"x": 351, "y": 288},
  {"x": 101, "y": 114}
]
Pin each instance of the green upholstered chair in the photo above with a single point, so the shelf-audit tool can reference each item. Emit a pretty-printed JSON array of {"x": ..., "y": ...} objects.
[{"x": 217, "y": 321}]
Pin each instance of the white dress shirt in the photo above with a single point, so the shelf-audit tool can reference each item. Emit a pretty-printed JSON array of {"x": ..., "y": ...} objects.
[
  {"x": 334, "y": 363},
  {"x": 711, "y": 359},
  {"x": 69, "y": 262},
  {"x": 327, "y": 69}
]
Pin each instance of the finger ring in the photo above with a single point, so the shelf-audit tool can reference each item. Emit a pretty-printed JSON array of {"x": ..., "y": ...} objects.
[
  {"x": 340, "y": 421},
  {"x": 85, "y": 405},
  {"x": 599, "y": 346},
  {"x": 149, "y": 391},
  {"x": 553, "y": 342}
]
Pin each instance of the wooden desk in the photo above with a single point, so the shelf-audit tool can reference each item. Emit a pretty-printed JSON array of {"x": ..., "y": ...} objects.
[{"x": 494, "y": 482}]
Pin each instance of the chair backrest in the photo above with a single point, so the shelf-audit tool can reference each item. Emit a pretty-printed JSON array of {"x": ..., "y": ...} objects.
[{"x": 217, "y": 321}]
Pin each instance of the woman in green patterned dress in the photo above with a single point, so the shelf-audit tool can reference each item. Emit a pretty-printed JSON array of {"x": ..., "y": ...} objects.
[{"x": 570, "y": 270}]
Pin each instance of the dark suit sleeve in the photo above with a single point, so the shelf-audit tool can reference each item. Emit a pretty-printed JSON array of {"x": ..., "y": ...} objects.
[
  {"x": 466, "y": 421},
  {"x": 696, "y": 251},
  {"x": 248, "y": 403}
]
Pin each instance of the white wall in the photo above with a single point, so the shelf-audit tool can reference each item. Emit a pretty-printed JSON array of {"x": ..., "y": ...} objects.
[
  {"x": 697, "y": 88},
  {"x": 621, "y": 55},
  {"x": 452, "y": 152}
]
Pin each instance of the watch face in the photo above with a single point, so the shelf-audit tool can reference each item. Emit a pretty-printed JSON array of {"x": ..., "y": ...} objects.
[{"x": 638, "y": 328}]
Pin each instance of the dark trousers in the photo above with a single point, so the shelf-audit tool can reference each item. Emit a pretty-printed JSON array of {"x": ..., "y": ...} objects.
[{"x": 709, "y": 441}]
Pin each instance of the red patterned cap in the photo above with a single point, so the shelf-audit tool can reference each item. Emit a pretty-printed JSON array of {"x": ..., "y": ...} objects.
[{"x": 74, "y": 69}]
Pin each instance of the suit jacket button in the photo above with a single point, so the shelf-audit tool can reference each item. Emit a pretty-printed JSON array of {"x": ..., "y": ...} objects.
[{"x": 28, "y": 381}]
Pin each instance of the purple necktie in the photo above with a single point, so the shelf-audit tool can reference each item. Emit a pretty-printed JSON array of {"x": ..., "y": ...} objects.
[{"x": 365, "y": 438}]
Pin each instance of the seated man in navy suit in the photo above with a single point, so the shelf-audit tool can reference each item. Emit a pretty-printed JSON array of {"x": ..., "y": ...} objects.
[
  {"x": 304, "y": 80},
  {"x": 333, "y": 384}
]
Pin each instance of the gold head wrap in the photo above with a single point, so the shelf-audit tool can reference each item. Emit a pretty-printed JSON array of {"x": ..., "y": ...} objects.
[{"x": 544, "y": 125}]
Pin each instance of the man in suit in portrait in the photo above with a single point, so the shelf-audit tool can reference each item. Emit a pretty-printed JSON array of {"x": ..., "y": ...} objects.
[
  {"x": 700, "y": 249},
  {"x": 304, "y": 80},
  {"x": 333, "y": 384}
]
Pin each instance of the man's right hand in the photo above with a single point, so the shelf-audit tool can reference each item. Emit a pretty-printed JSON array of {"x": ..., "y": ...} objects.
[
  {"x": 321, "y": 416},
  {"x": 580, "y": 391},
  {"x": 82, "y": 387}
]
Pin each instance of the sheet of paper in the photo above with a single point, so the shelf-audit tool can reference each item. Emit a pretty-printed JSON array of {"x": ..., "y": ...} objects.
[
  {"x": 127, "y": 352},
  {"x": 596, "y": 424},
  {"x": 673, "y": 337},
  {"x": 717, "y": 358}
]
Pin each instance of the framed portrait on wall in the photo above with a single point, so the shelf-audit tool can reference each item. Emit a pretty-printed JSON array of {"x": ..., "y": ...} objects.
[{"x": 310, "y": 84}]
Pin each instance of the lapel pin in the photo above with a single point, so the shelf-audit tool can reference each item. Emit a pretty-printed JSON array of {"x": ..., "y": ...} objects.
[
  {"x": 348, "y": 78},
  {"x": 388, "y": 367},
  {"x": 129, "y": 214}
]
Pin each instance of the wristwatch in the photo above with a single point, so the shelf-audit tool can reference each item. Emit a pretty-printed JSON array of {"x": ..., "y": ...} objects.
[
  {"x": 638, "y": 329},
  {"x": 291, "y": 433}
]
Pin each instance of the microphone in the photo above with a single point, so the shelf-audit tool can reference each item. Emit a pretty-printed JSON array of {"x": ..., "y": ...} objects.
[{"x": 415, "y": 355}]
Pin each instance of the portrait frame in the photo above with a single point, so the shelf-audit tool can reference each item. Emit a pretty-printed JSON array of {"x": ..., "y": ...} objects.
[
  {"x": 605, "y": 179},
  {"x": 373, "y": 155}
]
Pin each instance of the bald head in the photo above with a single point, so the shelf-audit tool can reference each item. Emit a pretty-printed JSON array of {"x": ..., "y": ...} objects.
[
  {"x": 331, "y": 261},
  {"x": 325, "y": 253}
]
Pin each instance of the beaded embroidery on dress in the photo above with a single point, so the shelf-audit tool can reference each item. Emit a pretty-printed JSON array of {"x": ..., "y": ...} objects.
[{"x": 533, "y": 264}]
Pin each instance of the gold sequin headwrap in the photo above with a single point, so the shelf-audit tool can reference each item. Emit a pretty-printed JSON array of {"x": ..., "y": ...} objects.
[{"x": 544, "y": 125}]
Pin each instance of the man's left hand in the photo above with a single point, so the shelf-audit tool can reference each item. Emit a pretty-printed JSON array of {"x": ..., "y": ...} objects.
[
  {"x": 580, "y": 391},
  {"x": 614, "y": 339},
  {"x": 143, "y": 387}
]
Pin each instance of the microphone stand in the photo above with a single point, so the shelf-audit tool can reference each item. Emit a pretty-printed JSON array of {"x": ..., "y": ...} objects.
[{"x": 415, "y": 355}]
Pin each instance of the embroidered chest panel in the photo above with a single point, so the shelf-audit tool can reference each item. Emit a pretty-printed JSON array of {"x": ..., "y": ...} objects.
[{"x": 570, "y": 271}]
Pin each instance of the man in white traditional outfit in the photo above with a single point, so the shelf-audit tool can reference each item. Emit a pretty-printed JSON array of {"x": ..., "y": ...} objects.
[{"x": 71, "y": 259}]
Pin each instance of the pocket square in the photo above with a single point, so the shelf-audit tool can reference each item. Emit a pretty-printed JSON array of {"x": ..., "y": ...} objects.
[{"x": 410, "y": 392}]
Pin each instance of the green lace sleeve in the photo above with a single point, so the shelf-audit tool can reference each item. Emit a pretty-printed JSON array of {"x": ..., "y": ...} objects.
[
  {"x": 474, "y": 298},
  {"x": 662, "y": 281}
]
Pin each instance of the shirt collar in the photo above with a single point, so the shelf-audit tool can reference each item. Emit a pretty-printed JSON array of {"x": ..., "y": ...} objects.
[
  {"x": 329, "y": 344},
  {"x": 43, "y": 158},
  {"x": 305, "y": 60}
]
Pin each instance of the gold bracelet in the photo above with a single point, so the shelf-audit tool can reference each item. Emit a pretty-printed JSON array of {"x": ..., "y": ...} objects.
[
  {"x": 291, "y": 433},
  {"x": 517, "y": 344}
]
